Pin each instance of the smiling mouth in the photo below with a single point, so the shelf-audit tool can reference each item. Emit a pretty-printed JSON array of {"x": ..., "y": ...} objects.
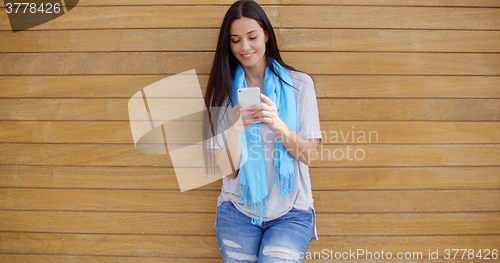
[{"x": 247, "y": 56}]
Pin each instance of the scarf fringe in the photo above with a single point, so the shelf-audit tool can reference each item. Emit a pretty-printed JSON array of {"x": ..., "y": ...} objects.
[
  {"x": 259, "y": 209},
  {"x": 286, "y": 181}
]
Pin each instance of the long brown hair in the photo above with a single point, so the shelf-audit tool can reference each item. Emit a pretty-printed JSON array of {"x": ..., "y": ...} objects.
[{"x": 218, "y": 93}]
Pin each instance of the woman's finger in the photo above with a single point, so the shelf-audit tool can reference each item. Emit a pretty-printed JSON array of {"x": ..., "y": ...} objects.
[
  {"x": 246, "y": 113},
  {"x": 266, "y": 99},
  {"x": 267, "y": 120},
  {"x": 248, "y": 121},
  {"x": 236, "y": 108},
  {"x": 261, "y": 113}
]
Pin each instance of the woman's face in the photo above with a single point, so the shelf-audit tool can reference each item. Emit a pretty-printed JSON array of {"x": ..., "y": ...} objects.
[{"x": 248, "y": 42}]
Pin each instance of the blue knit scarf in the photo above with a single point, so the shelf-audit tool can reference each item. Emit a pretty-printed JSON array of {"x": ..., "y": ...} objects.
[{"x": 252, "y": 175}]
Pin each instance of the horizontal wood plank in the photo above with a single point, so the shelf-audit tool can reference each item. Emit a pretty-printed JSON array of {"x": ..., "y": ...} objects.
[
  {"x": 200, "y": 16},
  {"x": 406, "y": 201},
  {"x": 328, "y": 156},
  {"x": 161, "y": 201},
  {"x": 408, "y": 224},
  {"x": 154, "y": 2},
  {"x": 385, "y": 17},
  {"x": 410, "y": 132},
  {"x": 442, "y": 178},
  {"x": 353, "y": 63},
  {"x": 405, "y": 178},
  {"x": 403, "y": 86},
  {"x": 406, "y": 155},
  {"x": 488, "y": 3},
  {"x": 409, "y": 109},
  {"x": 146, "y": 17},
  {"x": 102, "y": 259},
  {"x": 367, "y": 132},
  {"x": 329, "y": 109},
  {"x": 193, "y": 224},
  {"x": 111, "y": 245},
  {"x": 388, "y": 40},
  {"x": 448, "y": 3},
  {"x": 326, "y": 86},
  {"x": 318, "y": 257},
  {"x": 110, "y": 40},
  {"x": 203, "y": 224},
  {"x": 206, "y": 247},
  {"x": 330, "y": 63},
  {"x": 105, "y": 63},
  {"x": 290, "y": 40}
]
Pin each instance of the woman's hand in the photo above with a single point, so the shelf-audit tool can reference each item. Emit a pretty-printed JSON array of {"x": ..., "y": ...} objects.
[
  {"x": 228, "y": 158},
  {"x": 236, "y": 121},
  {"x": 302, "y": 149},
  {"x": 268, "y": 113}
]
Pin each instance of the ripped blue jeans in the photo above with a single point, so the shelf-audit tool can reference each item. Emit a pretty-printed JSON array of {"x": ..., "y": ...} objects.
[{"x": 284, "y": 239}]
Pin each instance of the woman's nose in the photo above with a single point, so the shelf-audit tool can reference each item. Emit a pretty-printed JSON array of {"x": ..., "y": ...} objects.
[{"x": 245, "y": 46}]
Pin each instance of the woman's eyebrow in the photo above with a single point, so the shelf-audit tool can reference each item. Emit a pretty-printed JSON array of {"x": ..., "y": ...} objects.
[{"x": 247, "y": 32}]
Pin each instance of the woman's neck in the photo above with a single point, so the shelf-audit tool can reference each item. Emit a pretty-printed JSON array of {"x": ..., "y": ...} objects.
[
  {"x": 255, "y": 75},
  {"x": 254, "y": 80}
]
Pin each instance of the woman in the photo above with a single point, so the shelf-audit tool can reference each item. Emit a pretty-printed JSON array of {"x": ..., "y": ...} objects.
[{"x": 265, "y": 210}]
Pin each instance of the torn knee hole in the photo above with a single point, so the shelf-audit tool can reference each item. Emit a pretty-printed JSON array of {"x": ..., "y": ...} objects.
[
  {"x": 280, "y": 252},
  {"x": 241, "y": 256},
  {"x": 230, "y": 243}
]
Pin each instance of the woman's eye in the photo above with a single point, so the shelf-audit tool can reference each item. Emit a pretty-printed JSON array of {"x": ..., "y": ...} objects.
[
  {"x": 235, "y": 41},
  {"x": 253, "y": 37}
]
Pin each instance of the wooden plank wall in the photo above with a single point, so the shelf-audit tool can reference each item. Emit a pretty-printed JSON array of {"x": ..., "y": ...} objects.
[{"x": 423, "y": 76}]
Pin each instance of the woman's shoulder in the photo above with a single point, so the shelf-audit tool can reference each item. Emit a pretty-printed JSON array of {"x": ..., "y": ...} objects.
[{"x": 301, "y": 79}]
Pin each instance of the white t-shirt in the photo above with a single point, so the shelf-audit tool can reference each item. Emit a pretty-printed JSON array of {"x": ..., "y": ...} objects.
[{"x": 307, "y": 127}]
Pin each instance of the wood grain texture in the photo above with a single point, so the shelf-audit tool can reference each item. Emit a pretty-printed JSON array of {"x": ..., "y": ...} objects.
[
  {"x": 156, "y": 2},
  {"x": 328, "y": 156},
  {"x": 144, "y": 17},
  {"x": 489, "y": 3},
  {"x": 329, "y": 109},
  {"x": 371, "y": 63},
  {"x": 360, "y": 86},
  {"x": 409, "y": 224},
  {"x": 331, "y": 63},
  {"x": 425, "y": 75},
  {"x": 199, "y": 16},
  {"x": 367, "y": 132},
  {"x": 290, "y": 40},
  {"x": 406, "y": 156},
  {"x": 389, "y": 17},
  {"x": 101, "y": 259},
  {"x": 327, "y": 86},
  {"x": 80, "y": 86},
  {"x": 397, "y": 178},
  {"x": 194, "y": 224},
  {"x": 110, "y": 40},
  {"x": 389, "y": 40},
  {"x": 111, "y": 245},
  {"x": 161, "y": 201},
  {"x": 426, "y": 178},
  {"x": 105, "y": 63},
  {"x": 447, "y": 3},
  {"x": 182, "y": 246},
  {"x": 409, "y": 109}
]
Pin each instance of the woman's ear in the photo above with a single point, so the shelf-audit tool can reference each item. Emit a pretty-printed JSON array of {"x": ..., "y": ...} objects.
[{"x": 267, "y": 35}]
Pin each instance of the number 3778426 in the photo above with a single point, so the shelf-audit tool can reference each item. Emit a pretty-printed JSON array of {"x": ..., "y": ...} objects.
[{"x": 32, "y": 8}]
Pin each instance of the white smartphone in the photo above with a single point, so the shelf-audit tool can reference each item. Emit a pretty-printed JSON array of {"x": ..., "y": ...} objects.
[{"x": 248, "y": 97}]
